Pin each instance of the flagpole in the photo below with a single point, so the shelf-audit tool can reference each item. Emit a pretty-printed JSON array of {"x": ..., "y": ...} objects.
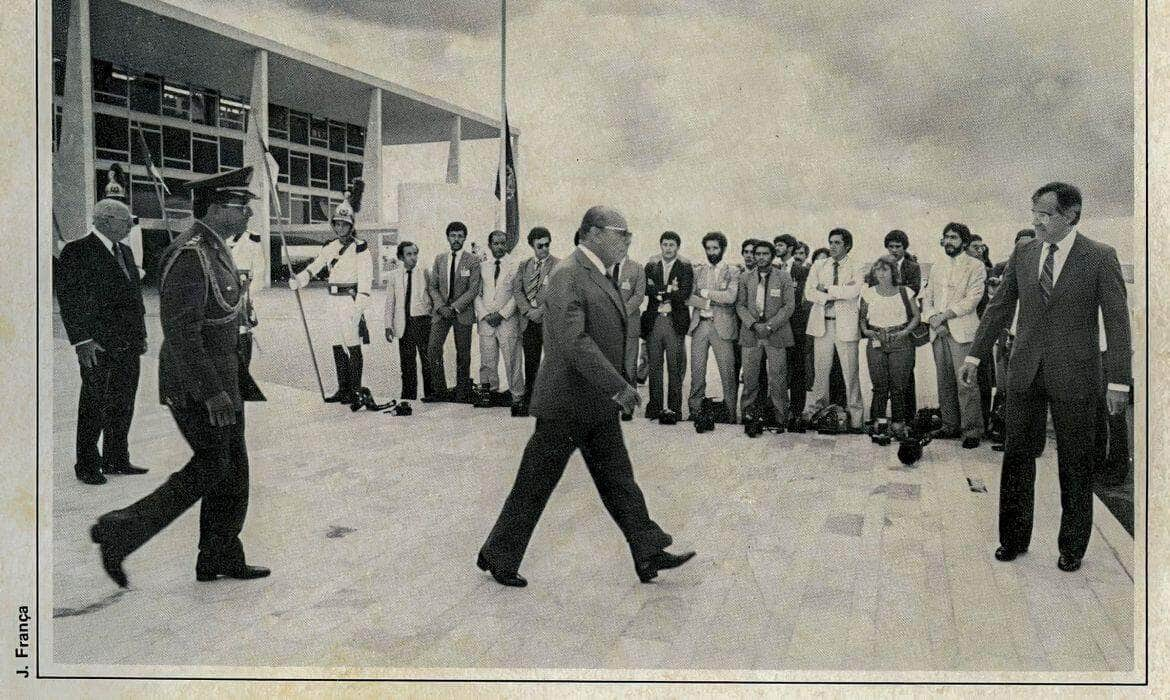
[{"x": 502, "y": 214}]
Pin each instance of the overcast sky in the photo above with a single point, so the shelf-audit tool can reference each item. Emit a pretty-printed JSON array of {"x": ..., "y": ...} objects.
[{"x": 763, "y": 118}]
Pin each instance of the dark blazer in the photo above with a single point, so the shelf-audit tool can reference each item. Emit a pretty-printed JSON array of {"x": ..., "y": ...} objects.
[
  {"x": 584, "y": 344},
  {"x": 911, "y": 275},
  {"x": 799, "y": 318},
  {"x": 98, "y": 301},
  {"x": 1062, "y": 332},
  {"x": 683, "y": 275},
  {"x": 779, "y": 303}
]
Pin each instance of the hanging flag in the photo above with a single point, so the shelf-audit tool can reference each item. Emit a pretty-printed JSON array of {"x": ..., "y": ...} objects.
[
  {"x": 272, "y": 171},
  {"x": 150, "y": 166},
  {"x": 512, "y": 207}
]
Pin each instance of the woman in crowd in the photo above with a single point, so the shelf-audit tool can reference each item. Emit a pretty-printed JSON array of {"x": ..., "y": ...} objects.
[{"x": 888, "y": 315}]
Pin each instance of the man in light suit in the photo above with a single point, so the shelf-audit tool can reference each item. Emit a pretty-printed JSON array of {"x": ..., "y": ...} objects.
[
  {"x": 631, "y": 279},
  {"x": 530, "y": 286},
  {"x": 834, "y": 287},
  {"x": 1061, "y": 280},
  {"x": 408, "y": 319},
  {"x": 713, "y": 323},
  {"x": 453, "y": 286},
  {"x": 499, "y": 330},
  {"x": 949, "y": 300},
  {"x": 765, "y": 302},
  {"x": 579, "y": 390}
]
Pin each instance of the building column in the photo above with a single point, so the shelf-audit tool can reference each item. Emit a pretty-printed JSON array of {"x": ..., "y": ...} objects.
[
  {"x": 254, "y": 157},
  {"x": 371, "y": 213},
  {"x": 453, "y": 150},
  {"x": 73, "y": 176}
]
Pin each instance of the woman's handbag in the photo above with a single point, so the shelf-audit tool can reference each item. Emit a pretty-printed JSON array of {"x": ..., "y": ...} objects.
[{"x": 921, "y": 334}]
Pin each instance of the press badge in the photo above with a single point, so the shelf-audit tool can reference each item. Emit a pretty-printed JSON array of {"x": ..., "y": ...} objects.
[
  {"x": 626, "y": 285},
  {"x": 465, "y": 273},
  {"x": 776, "y": 293}
]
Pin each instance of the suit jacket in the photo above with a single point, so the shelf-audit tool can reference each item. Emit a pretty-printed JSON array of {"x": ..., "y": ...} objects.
[
  {"x": 98, "y": 301},
  {"x": 799, "y": 319},
  {"x": 496, "y": 295},
  {"x": 958, "y": 290},
  {"x": 396, "y": 311},
  {"x": 911, "y": 275},
  {"x": 845, "y": 296},
  {"x": 682, "y": 277},
  {"x": 718, "y": 295},
  {"x": 584, "y": 345},
  {"x": 467, "y": 284},
  {"x": 522, "y": 274},
  {"x": 1062, "y": 332},
  {"x": 779, "y": 303},
  {"x": 632, "y": 289}
]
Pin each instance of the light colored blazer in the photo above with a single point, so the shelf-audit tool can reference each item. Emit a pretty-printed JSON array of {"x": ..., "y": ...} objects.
[
  {"x": 395, "y": 317},
  {"x": 718, "y": 295},
  {"x": 467, "y": 281},
  {"x": 518, "y": 281},
  {"x": 632, "y": 289},
  {"x": 495, "y": 296},
  {"x": 846, "y": 296},
  {"x": 958, "y": 290},
  {"x": 779, "y": 303}
]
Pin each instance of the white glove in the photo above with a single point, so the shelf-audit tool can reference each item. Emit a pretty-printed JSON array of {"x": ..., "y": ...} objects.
[{"x": 295, "y": 282}]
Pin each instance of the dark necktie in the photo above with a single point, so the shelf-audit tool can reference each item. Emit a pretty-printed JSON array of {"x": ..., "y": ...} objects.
[
  {"x": 835, "y": 266},
  {"x": 496, "y": 275},
  {"x": 409, "y": 274},
  {"x": 614, "y": 277},
  {"x": 1046, "y": 272},
  {"x": 451, "y": 280},
  {"x": 117, "y": 252}
]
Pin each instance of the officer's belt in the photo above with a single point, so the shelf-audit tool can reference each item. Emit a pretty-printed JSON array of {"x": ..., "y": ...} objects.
[{"x": 339, "y": 290}]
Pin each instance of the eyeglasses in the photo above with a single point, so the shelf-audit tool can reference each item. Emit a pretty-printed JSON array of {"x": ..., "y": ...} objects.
[
  {"x": 238, "y": 205},
  {"x": 624, "y": 233}
]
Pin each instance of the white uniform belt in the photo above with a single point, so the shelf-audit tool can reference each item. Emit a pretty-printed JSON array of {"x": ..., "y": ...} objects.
[{"x": 343, "y": 289}]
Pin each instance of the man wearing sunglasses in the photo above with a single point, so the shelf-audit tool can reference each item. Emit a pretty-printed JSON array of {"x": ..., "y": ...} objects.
[{"x": 529, "y": 289}]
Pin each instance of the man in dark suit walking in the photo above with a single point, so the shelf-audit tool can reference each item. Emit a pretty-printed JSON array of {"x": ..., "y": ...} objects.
[
  {"x": 664, "y": 325},
  {"x": 101, "y": 308},
  {"x": 579, "y": 390},
  {"x": 1060, "y": 280}
]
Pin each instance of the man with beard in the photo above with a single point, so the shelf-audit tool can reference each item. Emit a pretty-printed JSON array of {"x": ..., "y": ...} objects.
[
  {"x": 949, "y": 301},
  {"x": 765, "y": 301},
  {"x": 747, "y": 250},
  {"x": 713, "y": 324},
  {"x": 453, "y": 285},
  {"x": 579, "y": 391}
]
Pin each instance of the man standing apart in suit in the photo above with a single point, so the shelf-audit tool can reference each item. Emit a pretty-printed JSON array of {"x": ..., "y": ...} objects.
[
  {"x": 408, "y": 319},
  {"x": 664, "y": 325},
  {"x": 1060, "y": 281},
  {"x": 714, "y": 324},
  {"x": 765, "y": 302},
  {"x": 579, "y": 390},
  {"x": 529, "y": 287},
  {"x": 948, "y": 303},
  {"x": 834, "y": 287},
  {"x": 101, "y": 308},
  {"x": 453, "y": 286},
  {"x": 495, "y": 311}
]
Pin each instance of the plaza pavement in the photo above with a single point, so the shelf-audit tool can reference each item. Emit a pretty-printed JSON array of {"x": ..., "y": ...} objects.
[{"x": 816, "y": 555}]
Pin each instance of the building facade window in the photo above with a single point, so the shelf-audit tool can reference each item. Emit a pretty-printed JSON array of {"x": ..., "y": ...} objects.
[
  {"x": 355, "y": 140},
  {"x": 298, "y": 210},
  {"x": 298, "y": 169},
  {"x": 318, "y": 170},
  {"x": 319, "y": 133},
  {"x": 204, "y": 154},
  {"x": 110, "y": 85},
  {"x": 110, "y": 137},
  {"x": 337, "y": 137},
  {"x": 176, "y": 102},
  {"x": 231, "y": 153},
  {"x": 146, "y": 94},
  {"x": 280, "y": 155},
  {"x": 144, "y": 198},
  {"x": 277, "y": 122},
  {"x": 152, "y": 135},
  {"x": 204, "y": 107},
  {"x": 352, "y": 171},
  {"x": 176, "y": 148},
  {"x": 233, "y": 114},
  {"x": 298, "y": 128},
  {"x": 319, "y": 210},
  {"x": 337, "y": 181}
]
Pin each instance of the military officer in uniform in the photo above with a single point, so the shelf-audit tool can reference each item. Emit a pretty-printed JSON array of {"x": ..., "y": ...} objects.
[
  {"x": 200, "y": 304},
  {"x": 350, "y": 271}
]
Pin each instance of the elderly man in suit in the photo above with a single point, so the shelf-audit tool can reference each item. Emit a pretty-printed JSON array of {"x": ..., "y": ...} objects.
[
  {"x": 631, "y": 279},
  {"x": 102, "y": 310},
  {"x": 579, "y": 390},
  {"x": 453, "y": 286},
  {"x": 834, "y": 288},
  {"x": 1060, "y": 280},
  {"x": 529, "y": 287},
  {"x": 765, "y": 303},
  {"x": 499, "y": 331},
  {"x": 713, "y": 325},
  {"x": 408, "y": 320},
  {"x": 669, "y": 281},
  {"x": 949, "y": 300}
]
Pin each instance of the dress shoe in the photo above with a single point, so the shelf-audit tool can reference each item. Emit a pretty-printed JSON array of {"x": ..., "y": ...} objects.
[
  {"x": 104, "y": 534},
  {"x": 342, "y": 396},
  {"x": 93, "y": 477},
  {"x": 208, "y": 571},
  {"x": 1066, "y": 563},
  {"x": 945, "y": 434},
  {"x": 437, "y": 397},
  {"x": 1005, "y": 553},
  {"x": 520, "y": 410},
  {"x": 668, "y": 418},
  {"x": 653, "y": 413},
  {"x": 504, "y": 579},
  {"x": 663, "y": 559},
  {"x": 970, "y": 443},
  {"x": 126, "y": 468},
  {"x": 627, "y": 416}
]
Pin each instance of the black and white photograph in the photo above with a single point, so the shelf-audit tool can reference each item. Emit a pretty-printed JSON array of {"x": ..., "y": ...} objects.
[{"x": 620, "y": 343}]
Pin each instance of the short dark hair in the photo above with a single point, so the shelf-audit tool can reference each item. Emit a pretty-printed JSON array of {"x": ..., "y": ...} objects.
[
  {"x": 717, "y": 237},
  {"x": 537, "y": 233},
  {"x": 802, "y": 244},
  {"x": 402, "y": 246},
  {"x": 819, "y": 251},
  {"x": 787, "y": 239},
  {"x": 749, "y": 243},
  {"x": 961, "y": 229},
  {"x": 886, "y": 261},
  {"x": 502, "y": 233},
  {"x": 897, "y": 236},
  {"x": 456, "y": 226},
  {"x": 669, "y": 236},
  {"x": 1024, "y": 233},
  {"x": 1067, "y": 197},
  {"x": 846, "y": 237},
  {"x": 976, "y": 237},
  {"x": 764, "y": 244}
]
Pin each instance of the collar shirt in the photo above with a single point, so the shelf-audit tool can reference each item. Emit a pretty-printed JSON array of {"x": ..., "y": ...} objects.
[
  {"x": 707, "y": 277},
  {"x": 419, "y": 301},
  {"x": 593, "y": 259},
  {"x": 1059, "y": 257},
  {"x": 761, "y": 290}
]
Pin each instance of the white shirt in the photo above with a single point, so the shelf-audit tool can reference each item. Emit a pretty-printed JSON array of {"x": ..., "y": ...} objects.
[
  {"x": 664, "y": 307},
  {"x": 419, "y": 305},
  {"x": 884, "y": 312},
  {"x": 1058, "y": 258},
  {"x": 106, "y": 242},
  {"x": 454, "y": 261},
  {"x": 593, "y": 258},
  {"x": 761, "y": 290}
]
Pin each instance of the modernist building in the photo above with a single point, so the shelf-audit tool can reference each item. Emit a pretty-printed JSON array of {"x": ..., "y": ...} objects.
[{"x": 199, "y": 91}]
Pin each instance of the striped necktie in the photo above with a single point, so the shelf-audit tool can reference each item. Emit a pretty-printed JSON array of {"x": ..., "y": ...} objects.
[
  {"x": 532, "y": 282},
  {"x": 1046, "y": 273}
]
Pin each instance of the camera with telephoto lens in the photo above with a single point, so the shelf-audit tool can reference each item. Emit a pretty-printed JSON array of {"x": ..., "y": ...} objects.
[
  {"x": 917, "y": 434},
  {"x": 402, "y": 409}
]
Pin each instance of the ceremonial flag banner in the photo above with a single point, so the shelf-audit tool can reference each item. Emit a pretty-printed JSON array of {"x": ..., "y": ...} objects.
[
  {"x": 150, "y": 167},
  {"x": 512, "y": 215}
]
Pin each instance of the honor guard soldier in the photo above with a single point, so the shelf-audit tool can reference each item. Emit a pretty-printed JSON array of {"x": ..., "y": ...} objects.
[
  {"x": 200, "y": 305},
  {"x": 350, "y": 266},
  {"x": 248, "y": 254}
]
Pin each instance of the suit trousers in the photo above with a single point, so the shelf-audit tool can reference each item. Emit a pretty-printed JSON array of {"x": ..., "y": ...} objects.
[
  {"x": 545, "y": 456},
  {"x": 501, "y": 345},
  {"x": 846, "y": 350},
  {"x": 105, "y": 409},
  {"x": 533, "y": 343},
  {"x": 890, "y": 373},
  {"x": 958, "y": 403},
  {"x": 777, "y": 367},
  {"x": 631, "y": 355},
  {"x": 794, "y": 357},
  {"x": 1075, "y": 421},
  {"x": 217, "y": 473},
  {"x": 664, "y": 342},
  {"x": 705, "y": 336},
  {"x": 439, "y": 328},
  {"x": 412, "y": 344}
]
